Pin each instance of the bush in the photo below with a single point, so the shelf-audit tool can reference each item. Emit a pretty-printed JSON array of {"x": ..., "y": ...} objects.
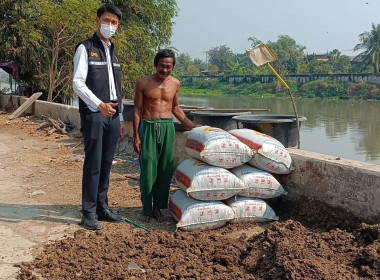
[
  {"x": 323, "y": 88},
  {"x": 363, "y": 91}
]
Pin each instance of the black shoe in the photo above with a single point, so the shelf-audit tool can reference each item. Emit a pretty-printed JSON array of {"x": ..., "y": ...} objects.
[
  {"x": 109, "y": 216},
  {"x": 89, "y": 221}
]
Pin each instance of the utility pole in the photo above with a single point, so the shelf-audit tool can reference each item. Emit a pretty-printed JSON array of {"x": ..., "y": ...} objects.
[{"x": 206, "y": 61}]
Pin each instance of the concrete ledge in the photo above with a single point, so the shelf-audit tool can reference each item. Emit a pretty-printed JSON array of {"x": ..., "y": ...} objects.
[
  {"x": 352, "y": 185},
  {"x": 65, "y": 113}
]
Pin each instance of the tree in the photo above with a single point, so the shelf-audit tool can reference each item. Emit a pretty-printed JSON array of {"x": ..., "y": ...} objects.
[
  {"x": 193, "y": 70},
  {"x": 57, "y": 28},
  {"x": 246, "y": 67},
  {"x": 222, "y": 57},
  {"x": 237, "y": 69},
  {"x": 213, "y": 70},
  {"x": 199, "y": 63},
  {"x": 147, "y": 27},
  {"x": 319, "y": 67},
  {"x": 302, "y": 69},
  {"x": 254, "y": 41},
  {"x": 370, "y": 43},
  {"x": 339, "y": 63},
  {"x": 183, "y": 61},
  {"x": 288, "y": 54},
  {"x": 41, "y": 37}
]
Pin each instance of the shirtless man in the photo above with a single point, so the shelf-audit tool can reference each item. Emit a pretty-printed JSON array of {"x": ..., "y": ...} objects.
[{"x": 155, "y": 103}]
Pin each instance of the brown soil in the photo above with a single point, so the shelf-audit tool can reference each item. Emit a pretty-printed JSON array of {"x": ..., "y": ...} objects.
[{"x": 311, "y": 240}]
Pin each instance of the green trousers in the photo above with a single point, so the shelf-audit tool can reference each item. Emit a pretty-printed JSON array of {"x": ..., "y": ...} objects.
[{"x": 156, "y": 162}]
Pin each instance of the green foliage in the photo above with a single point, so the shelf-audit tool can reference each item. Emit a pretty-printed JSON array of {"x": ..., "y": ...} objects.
[
  {"x": 41, "y": 35},
  {"x": 206, "y": 84},
  {"x": 288, "y": 54},
  {"x": 323, "y": 88},
  {"x": 302, "y": 69},
  {"x": 183, "y": 61},
  {"x": 223, "y": 58},
  {"x": 320, "y": 88},
  {"x": 146, "y": 27},
  {"x": 193, "y": 70},
  {"x": 213, "y": 70},
  {"x": 339, "y": 63},
  {"x": 370, "y": 43},
  {"x": 185, "y": 65},
  {"x": 200, "y": 92},
  {"x": 243, "y": 88},
  {"x": 319, "y": 67},
  {"x": 363, "y": 91}
]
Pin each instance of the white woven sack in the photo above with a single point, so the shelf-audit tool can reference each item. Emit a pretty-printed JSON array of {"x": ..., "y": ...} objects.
[
  {"x": 269, "y": 154},
  {"x": 249, "y": 210},
  {"x": 192, "y": 214},
  {"x": 206, "y": 182},
  {"x": 259, "y": 183},
  {"x": 217, "y": 147}
]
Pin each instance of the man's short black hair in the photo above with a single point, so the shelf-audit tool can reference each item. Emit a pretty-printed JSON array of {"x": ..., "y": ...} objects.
[
  {"x": 162, "y": 54},
  {"x": 109, "y": 8}
]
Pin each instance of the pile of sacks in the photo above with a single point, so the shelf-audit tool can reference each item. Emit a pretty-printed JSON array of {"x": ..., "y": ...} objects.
[{"x": 227, "y": 178}]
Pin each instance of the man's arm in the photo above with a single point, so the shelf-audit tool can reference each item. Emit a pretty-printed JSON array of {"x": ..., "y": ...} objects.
[
  {"x": 178, "y": 112},
  {"x": 138, "y": 104},
  {"x": 81, "y": 89},
  {"x": 80, "y": 76}
]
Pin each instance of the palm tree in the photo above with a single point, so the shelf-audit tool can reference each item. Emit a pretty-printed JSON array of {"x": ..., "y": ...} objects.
[{"x": 370, "y": 42}]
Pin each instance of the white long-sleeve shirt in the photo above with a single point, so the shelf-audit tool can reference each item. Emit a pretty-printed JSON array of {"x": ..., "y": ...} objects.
[{"x": 80, "y": 76}]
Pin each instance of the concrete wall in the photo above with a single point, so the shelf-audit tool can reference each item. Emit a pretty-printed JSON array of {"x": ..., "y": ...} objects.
[
  {"x": 66, "y": 113},
  {"x": 354, "y": 77},
  {"x": 352, "y": 185}
]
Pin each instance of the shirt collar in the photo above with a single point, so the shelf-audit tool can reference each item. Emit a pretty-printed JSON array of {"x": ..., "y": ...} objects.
[{"x": 105, "y": 44}]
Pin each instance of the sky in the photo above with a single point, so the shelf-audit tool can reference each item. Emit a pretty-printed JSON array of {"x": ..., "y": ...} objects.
[{"x": 321, "y": 26}]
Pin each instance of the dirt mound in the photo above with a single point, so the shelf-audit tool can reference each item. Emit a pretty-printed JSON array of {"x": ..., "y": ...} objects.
[{"x": 285, "y": 250}]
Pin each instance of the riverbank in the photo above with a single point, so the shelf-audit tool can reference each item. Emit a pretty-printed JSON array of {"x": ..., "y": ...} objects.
[
  {"x": 40, "y": 203},
  {"x": 321, "y": 88}
]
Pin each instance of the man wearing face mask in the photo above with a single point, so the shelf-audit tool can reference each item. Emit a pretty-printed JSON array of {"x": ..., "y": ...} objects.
[{"x": 97, "y": 82}]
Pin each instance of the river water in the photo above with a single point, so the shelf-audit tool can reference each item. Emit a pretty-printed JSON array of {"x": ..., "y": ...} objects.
[{"x": 341, "y": 128}]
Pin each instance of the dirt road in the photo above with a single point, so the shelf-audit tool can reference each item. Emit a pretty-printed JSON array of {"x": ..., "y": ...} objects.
[
  {"x": 40, "y": 181},
  {"x": 40, "y": 239}
]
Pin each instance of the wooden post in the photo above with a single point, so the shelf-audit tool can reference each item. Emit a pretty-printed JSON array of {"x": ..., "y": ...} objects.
[{"x": 25, "y": 105}]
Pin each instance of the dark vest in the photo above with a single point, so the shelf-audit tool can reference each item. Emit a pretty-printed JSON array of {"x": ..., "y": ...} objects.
[{"x": 97, "y": 76}]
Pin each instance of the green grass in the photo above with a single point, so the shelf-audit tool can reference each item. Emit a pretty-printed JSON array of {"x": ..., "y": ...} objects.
[{"x": 198, "y": 92}]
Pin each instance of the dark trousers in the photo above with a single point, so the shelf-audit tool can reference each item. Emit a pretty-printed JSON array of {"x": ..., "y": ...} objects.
[{"x": 100, "y": 135}]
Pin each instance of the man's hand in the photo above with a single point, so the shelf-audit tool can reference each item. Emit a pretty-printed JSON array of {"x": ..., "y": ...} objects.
[
  {"x": 137, "y": 144},
  {"x": 122, "y": 131},
  {"x": 107, "y": 109}
]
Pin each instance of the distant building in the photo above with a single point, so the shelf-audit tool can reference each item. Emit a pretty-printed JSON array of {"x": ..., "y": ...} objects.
[{"x": 321, "y": 57}]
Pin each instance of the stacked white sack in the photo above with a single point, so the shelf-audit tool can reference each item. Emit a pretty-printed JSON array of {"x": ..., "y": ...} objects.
[
  {"x": 205, "y": 182},
  {"x": 249, "y": 210},
  {"x": 269, "y": 154},
  {"x": 217, "y": 147},
  {"x": 259, "y": 183},
  {"x": 192, "y": 214}
]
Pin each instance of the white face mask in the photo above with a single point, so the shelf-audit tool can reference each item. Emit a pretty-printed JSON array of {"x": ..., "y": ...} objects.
[{"x": 107, "y": 30}]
